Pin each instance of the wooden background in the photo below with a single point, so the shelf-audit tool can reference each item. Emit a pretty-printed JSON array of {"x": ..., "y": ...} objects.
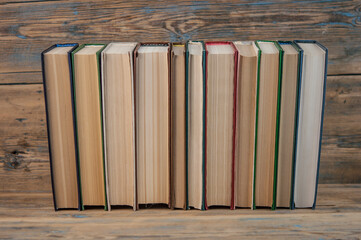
[{"x": 28, "y": 27}]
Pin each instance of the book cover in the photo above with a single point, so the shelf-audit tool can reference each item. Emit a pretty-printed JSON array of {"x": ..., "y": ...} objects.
[{"x": 74, "y": 46}]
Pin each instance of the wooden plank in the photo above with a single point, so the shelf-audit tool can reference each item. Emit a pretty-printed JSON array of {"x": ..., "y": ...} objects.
[
  {"x": 24, "y": 153},
  {"x": 341, "y": 142},
  {"x": 337, "y": 216},
  {"x": 28, "y": 27},
  {"x": 23, "y": 140},
  {"x": 22, "y": 77}
]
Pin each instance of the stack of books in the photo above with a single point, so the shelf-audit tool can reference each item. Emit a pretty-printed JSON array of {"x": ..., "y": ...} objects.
[{"x": 187, "y": 125}]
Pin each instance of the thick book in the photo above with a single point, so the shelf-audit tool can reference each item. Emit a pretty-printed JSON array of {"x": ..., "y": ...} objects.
[
  {"x": 195, "y": 125},
  {"x": 119, "y": 123},
  {"x": 88, "y": 113},
  {"x": 58, "y": 87},
  {"x": 288, "y": 123},
  {"x": 269, "y": 76},
  {"x": 245, "y": 125},
  {"x": 178, "y": 126},
  {"x": 312, "y": 91},
  {"x": 220, "y": 123},
  {"x": 152, "y": 104}
]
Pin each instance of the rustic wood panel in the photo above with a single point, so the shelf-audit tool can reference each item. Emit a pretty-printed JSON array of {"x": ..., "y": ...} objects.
[
  {"x": 28, "y": 27},
  {"x": 24, "y": 165},
  {"x": 337, "y": 216},
  {"x": 23, "y": 141},
  {"x": 341, "y": 143}
]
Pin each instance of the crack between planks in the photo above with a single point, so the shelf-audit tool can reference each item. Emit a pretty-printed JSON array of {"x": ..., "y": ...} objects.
[{"x": 31, "y": 1}]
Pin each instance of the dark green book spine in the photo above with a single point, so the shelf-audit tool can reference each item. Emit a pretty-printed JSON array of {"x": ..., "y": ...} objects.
[
  {"x": 256, "y": 128},
  {"x": 279, "y": 91},
  {"x": 186, "y": 120}
]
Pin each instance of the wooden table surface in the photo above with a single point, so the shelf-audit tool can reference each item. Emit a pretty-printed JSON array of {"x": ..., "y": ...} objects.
[{"x": 337, "y": 215}]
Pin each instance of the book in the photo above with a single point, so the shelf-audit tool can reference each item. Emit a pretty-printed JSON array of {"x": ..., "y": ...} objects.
[
  {"x": 178, "y": 126},
  {"x": 152, "y": 91},
  {"x": 221, "y": 87},
  {"x": 57, "y": 79},
  {"x": 195, "y": 124},
  {"x": 88, "y": 112},
  {"x": 119, "y": 123},
  {"x": 267, "y": 122},
  {"x": 287, "y": 121},
  {"x": 245, "y": 126},
  {"x": 310, "y": 122}
]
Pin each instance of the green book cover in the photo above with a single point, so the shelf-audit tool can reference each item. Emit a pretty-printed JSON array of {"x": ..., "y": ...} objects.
[
  {"x": 101, "y": 117},
  {"x": 280, "y": 50}
]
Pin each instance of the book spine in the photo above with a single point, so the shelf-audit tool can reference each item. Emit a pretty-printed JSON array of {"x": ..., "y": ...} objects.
[
  {"x": 47, "y": 124},
  {"x": 186, "y": 120},
  {"x": 170, "y": 178},
  {"x": 74, "y": 121},
  {"x": 259, "y": 55},
  {"x": 299, "y": 78},
  {"x": 234, "y": 124},
  {"x": 76, "y": 124},
  {"x": 322, "y": 118},
  {"x": 135, "y": 54},
  {"x": 102, "y": 80},
  {"x": 279, "y": 91},
  {"x": 205, "y": 57},
  {"x": 99, "y": 63}
]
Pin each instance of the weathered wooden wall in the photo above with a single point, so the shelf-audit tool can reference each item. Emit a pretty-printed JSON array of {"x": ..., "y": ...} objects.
[{"x": 28, "y": 27}]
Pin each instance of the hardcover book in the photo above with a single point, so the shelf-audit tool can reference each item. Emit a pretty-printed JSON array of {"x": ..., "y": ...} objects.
[
  {"x": 195, "y": 124},
  {"x": 310, "y": 122},
  {"x": 245, "y": 125},
  {"x": 288, "y": 123},
  {"x": 178, "y": 126},
  {"x": 220, "y": 123},
  {"x": 88, "y": 112},
  {"x": 119, "y": 123},
  {"x": 152, "y": 104},
  {"x": 269, "y": 77},
  {"x": 58, "y": 87}
]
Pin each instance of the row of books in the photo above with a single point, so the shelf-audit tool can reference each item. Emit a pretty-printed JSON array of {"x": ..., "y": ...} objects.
[{"x": 188, "y": 125}]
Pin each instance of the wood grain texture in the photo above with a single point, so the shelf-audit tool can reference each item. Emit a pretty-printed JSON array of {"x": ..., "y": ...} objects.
[
  {"x": 28, "y": 27},
  {"x": 24, "y": 159},
  {"x": 341, "y": 142},
  {"x": 337, "y": 216}
]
